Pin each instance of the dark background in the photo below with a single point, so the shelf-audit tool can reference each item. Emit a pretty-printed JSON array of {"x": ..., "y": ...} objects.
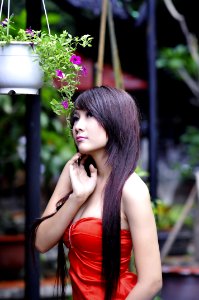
[{"x": 175, "y": 110}]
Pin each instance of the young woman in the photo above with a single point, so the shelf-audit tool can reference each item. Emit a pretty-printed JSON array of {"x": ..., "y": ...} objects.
[{"x": 104, "y": 211}]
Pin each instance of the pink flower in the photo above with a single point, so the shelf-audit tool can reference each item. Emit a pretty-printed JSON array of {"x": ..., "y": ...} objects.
[
  {"x": 60, "y": 74},
  {"x": 4, "y": 23},
  {"x": 84, "y": 71},
  {"x": 29, "y": 31},
  {"x": 76, "y": 60},
  {"x": 65, "y": 104}
]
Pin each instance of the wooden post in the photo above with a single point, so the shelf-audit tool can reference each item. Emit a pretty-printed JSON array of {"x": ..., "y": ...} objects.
[
  {"x": 114, "y": 50},
  {"x": 100, "y": 62},
  {"x": 177, "y": 227}
]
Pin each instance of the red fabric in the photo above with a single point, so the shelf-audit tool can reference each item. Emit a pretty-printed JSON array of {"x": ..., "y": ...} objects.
[{"x": 84, "y": 240}]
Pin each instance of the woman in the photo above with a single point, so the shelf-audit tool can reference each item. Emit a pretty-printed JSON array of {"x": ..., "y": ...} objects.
[{"x": 108, "y": 206}]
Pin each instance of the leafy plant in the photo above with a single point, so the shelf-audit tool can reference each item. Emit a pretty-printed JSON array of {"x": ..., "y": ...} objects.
[
  {"x": 190, "y": 141},
  {"x": 141, "y": 172},
  {"x": 57, "y": 147},
  {"x": 167, "y": 215},
  {"x": 177, "y": 59},
  {"x": 62, "y": 68},
  {"x": 183, "y": 60}
]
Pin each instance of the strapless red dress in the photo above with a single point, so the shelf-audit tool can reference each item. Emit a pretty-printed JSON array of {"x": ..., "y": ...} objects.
[{"x": 84, "y": 240}]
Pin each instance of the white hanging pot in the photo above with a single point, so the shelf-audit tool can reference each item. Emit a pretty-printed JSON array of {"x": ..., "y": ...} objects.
[{"x": 20, "y": 72}]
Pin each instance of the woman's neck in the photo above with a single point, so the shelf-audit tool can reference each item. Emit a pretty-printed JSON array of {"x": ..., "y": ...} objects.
[{"x": 103, "y": 169}]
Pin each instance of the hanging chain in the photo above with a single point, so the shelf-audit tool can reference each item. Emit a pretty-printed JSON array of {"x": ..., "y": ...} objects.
[
  {"x": 44, "y": 6},
  {"x": 114, "y": 50},
  {"x": 8, "y": 15},
  {"x": 101, "y": 44},
  {"x": 1, "y": 8}
]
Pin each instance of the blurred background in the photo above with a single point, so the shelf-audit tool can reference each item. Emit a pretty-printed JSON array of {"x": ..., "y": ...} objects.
[{"x": 157, "y": 43}]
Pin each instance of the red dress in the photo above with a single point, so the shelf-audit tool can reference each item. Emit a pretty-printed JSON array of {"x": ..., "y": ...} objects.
[{"x": 84, "y": 240}]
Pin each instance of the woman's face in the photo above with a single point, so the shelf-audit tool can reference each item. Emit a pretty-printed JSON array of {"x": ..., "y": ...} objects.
[{"x": 88, "y": 133}]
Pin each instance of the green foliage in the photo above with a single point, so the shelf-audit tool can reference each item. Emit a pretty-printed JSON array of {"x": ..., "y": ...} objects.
[
  {"x": 175, "y": 59},
  {"x": 133, "y": 8},
  {"x": 181, "y": 63},
  {"x": 167, "y": 215},
  {"x": 56, "y": 146},
  {"x": 191, "y": 140},
  {"x": 141, "y": 172},
  {"x": 157, "y": 298},
  {"x": 190, "y": 144},
  {"x": 10, "y": 131},
  {"x": 55, "y": 53}
]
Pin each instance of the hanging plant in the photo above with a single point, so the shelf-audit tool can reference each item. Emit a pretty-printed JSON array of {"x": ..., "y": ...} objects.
[
  {"x": 20, "y": 72},
  {"x": 55, "y": 54}
]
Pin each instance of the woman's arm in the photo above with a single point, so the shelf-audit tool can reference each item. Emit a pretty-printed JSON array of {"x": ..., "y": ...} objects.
[
  {"x": 73, "y": 179},
  {"x": 138, "y": 210}
]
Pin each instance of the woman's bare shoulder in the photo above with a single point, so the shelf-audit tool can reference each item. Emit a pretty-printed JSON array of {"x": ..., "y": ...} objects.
[
  {"x": 136, "y": 203},
  {"x": 135, "y": 190}
]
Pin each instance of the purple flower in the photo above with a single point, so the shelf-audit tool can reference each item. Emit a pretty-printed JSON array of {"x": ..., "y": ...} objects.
[
  {"x": 76, "y": 60},
  {"x": 60, "y": 74},
  {"x": 65, "y": 104},
  {"x": 84, "y": 71},
  {"x": 4, "y": 23},
  {"x": 29, "y": 31}
]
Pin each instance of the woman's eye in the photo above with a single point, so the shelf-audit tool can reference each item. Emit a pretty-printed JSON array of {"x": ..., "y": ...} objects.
[
  {"x": 89, "y": 114},
  {"x": 75, "y": 118}
]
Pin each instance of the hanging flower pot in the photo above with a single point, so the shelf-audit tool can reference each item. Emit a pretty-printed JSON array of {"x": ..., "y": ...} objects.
[
  {"x": 39, "y": 57},
  {"x": 20, "y": 72}
]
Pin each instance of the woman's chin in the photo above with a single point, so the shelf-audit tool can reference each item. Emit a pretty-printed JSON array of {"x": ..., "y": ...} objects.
[{"x": 83, "y": 152}]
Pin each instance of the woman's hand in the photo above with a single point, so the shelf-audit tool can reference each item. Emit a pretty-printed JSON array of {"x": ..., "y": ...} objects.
[
  {"x": 73, "y": 178},
  {"x": 82, "y": 185}
]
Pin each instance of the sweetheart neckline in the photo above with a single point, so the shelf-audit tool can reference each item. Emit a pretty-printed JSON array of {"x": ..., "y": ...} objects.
[{"x": 91, "y": 218}]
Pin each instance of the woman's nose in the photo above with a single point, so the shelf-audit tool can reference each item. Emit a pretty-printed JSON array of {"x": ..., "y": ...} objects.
[{"x": 79, "y": 125}]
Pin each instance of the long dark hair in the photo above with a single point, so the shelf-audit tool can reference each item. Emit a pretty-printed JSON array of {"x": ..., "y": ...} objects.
[
  {"x": 117, "y": 112},
  {"x": 61, "y": 257}
]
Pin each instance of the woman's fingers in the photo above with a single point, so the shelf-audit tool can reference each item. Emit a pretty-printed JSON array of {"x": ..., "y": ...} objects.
[
  {"x": 83, "y": 159},
  {"x": 75, "y": 158},
  {"x": 93, "y": 171}
]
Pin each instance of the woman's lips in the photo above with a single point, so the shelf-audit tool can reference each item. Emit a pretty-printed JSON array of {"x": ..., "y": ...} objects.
[{"x": 80, "y": 138}]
